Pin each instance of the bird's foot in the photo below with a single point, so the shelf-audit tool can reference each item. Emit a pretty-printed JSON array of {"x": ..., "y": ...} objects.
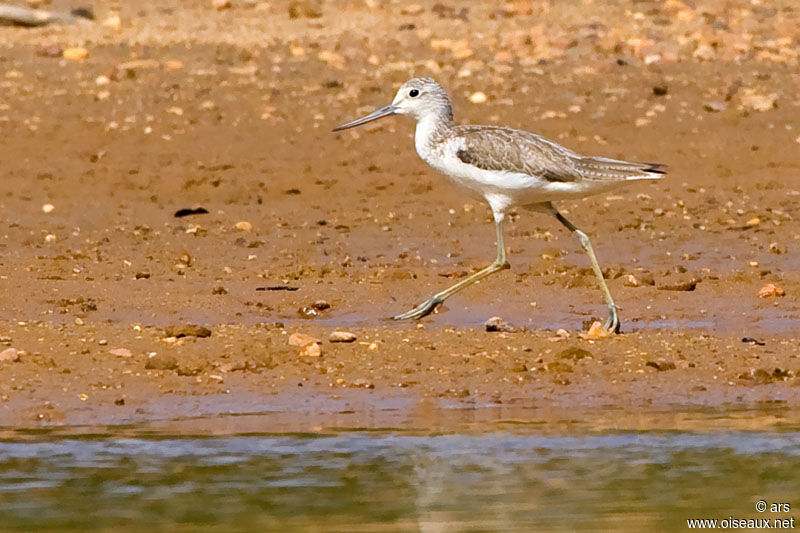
[
  {"x": 423, "y": 309},
  {"x": 612, "y": 325}
]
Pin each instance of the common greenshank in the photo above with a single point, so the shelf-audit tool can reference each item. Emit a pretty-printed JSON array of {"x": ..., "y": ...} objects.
[{"x": 505, "y": 167}]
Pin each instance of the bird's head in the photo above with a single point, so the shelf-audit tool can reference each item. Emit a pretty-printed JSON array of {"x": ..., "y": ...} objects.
[{"x": 418, "y": 98}]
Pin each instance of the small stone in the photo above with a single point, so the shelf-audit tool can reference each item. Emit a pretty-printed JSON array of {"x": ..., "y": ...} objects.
[
  {"x": 48, "y": 208},
  {"x": 161, "y": 362},
  {"x": 758, "y": 376},
  {"x": 311, "y": 349},
  {"x": 629, "y": 280},
  {"x": 769, "y": 290},
  {"x": 219, "y": 290},
  {"x": 596, "y": 331},
  {"x": 301, "y": 339},
  {"x": 233, "y": 366},
  {"x": 221, "y": 5},
  {"x": 186, "y": 330},
  {"x": 9, "y": 354},
  {"x": 243, "y": 225},
  {"x": 342, "y": 336},
  {"x": 50, "y": 238},
  {"x": 307, "y": 312},
  {"x": 753, "y": 222},
  {"x": 321, "y": 305},
  {"x": 661, "y": 365},
  {"x": 660, "y": 90},
  {"x": 75, "y": 54},
  {"x": 518, "y": 366},
  {"x": 715, "y": 106},
  {"x": 684, "y": 285},
  {"x": 51, "y": 50},
  {"x": 412, "y": 9},
  {"x": 750, "y": 100},
  {"x": 704, "y": 52},
  {"x": 574, "y": 353},
  {"x": 497, "y": 324},
  {"x": 112, "y": 22},
  {"x": 121, "y": 352},
  {"x": 478, "y": 97},
  {"x": 775, "y": 248}
]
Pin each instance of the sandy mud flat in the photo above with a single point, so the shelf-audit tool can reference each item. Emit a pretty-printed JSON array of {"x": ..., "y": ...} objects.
[{"x": 175, "y": 209}]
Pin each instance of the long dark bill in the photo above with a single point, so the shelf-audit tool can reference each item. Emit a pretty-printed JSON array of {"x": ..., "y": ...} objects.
[{"x": 375, "y": 115}]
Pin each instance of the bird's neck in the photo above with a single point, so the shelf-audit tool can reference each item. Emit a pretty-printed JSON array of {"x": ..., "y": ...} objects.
[{"x": 430, "y": 129}]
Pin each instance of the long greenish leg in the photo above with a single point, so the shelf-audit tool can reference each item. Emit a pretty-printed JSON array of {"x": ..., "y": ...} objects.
[
  {"x": 612, "y": 324},
  {"x": 434, "y": 301}
]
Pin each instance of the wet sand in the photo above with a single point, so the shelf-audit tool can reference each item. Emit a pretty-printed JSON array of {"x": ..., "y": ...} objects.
[{"x": 183, "y": 106}]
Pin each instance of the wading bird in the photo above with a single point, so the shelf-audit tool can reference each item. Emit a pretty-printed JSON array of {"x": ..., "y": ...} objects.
[{"x": 506, "y": 167}]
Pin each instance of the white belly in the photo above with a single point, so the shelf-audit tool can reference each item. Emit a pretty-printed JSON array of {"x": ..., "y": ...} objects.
[{"x": 516, "y": 188}]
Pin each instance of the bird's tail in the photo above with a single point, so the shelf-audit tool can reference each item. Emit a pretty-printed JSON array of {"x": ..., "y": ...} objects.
[{"x": 602, "y": 168}]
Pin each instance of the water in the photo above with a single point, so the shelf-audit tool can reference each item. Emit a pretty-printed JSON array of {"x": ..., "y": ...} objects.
[{"x": 514, "y": 479}]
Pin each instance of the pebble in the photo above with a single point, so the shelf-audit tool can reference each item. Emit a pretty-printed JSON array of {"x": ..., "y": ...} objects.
[
  {"x": 301, "y": 339},
  {"x": 596, "y": 331},
  {"x": 48, "y": 208},
  {"x": 750, "y": 100},
  {"x": 775, "y": 248},
  {"x": 342, "y": 336},
  {"x": 9, "y": 354},
  {"x": 684, "y": 285},
  {"x": 496, "y": 323},
  {"x": 629, "y": 280},
  {"x": 308, "y": 312},
  {"x": 478, "y": 98},
  {"x": 660, "y": 90},
  {"x": 412, "y": 9},
  {"x": 715, "y": 106},
  {"x": 121, "y": 352},
  {"x": 758, "y": 376},
  {"x": 186, "y": 330},
  {"x": 75, "y": 54},
  {"x": 161, "y": 362},
  {"x": 769, "y": 290},
  {"x": 311, "y": 349},
  {"x": 233, "y": 366},
  {"x": 574, "y": 353},
  {"x": 243, "y": 225},
  {"x": 51, "y": 50},
  {"x": 661, "y": 365},
  {"x": 220, "y": 5},
  {"x": 321, "y": 305}
]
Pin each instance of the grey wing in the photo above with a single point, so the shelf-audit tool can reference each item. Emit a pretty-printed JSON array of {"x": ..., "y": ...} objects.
[
  {"x": 602, "y": 168},
  {"x": 500, "y": 149}
]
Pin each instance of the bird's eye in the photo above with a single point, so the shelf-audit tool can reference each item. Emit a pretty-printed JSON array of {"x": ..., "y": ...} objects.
[{"x": 413, "y": 93}]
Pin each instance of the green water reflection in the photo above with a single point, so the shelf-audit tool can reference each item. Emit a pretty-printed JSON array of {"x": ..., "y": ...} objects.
[{"x": 390, "y": 481}]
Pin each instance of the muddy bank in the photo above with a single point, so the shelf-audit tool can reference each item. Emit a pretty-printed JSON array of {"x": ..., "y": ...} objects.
[{"x": 153, "y": 184}]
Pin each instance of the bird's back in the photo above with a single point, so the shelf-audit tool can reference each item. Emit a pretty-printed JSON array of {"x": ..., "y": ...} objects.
[{"x": 497, "y": 148}]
